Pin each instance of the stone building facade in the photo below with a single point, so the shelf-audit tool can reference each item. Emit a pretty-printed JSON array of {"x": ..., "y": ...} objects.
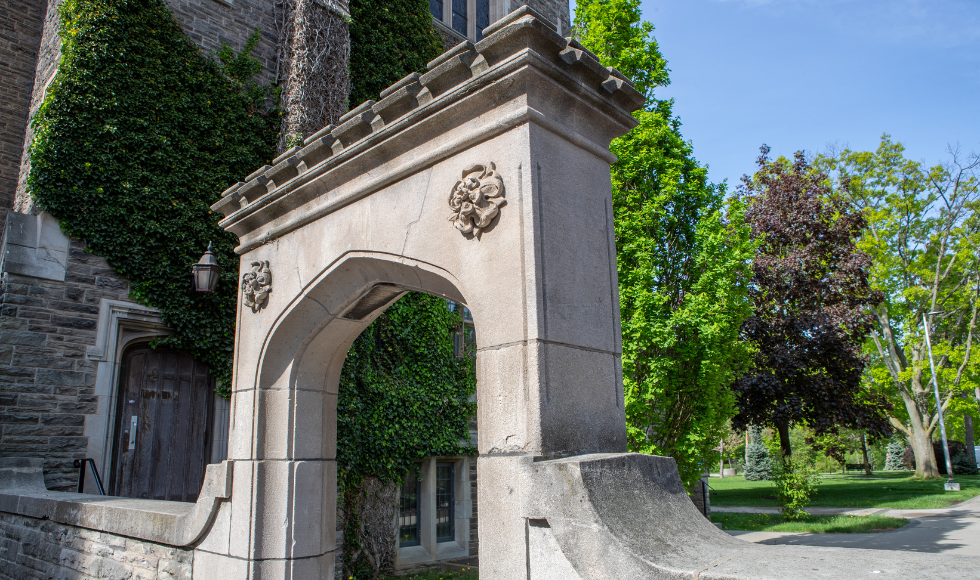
[{"x": 65, "y": 316}]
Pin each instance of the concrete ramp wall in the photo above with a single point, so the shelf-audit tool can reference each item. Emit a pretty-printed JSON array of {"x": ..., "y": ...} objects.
[{"x": 618, "y": 516}]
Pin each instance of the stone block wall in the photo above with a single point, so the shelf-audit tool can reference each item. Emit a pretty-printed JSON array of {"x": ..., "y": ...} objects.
[
  {"x": 556, "y": 11},
  {"x": 46, "y": 383},
  {"x": 474, "y": 518},
  {"x": 33, "y": 549},
  {"x": 20, "y": 39}
]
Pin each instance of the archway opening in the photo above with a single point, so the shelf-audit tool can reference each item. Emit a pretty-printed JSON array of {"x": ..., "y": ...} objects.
[{"x": 406, "y": 439}]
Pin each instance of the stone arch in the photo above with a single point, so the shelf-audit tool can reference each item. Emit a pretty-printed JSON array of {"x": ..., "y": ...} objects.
[
  {"x": 367, "y": 282},
  {"x": 367, "y": 209}
]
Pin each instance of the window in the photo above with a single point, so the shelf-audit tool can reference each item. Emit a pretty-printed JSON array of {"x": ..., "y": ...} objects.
[
  {"x": 482, "y": 17},
  {"x": 467, "y": 18},
  {"x": 464, "y": 337},
  {"x": 459, "y": 17},
  {"x": 408, "y": 512},
  {"x": 445, "y": 502}
]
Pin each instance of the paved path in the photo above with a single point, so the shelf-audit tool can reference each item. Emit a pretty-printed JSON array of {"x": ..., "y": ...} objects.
[{"x": 953, "y": 530}]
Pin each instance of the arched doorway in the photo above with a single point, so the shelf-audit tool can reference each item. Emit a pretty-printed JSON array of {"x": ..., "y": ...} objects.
[{"x": 164, "y": 425}]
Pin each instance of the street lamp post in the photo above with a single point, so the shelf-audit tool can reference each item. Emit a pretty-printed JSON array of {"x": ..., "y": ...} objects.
[{"x": 950, "y": 484}]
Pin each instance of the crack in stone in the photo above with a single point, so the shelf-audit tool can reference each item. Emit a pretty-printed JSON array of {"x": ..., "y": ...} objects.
[{"x": 418, "y": 218}]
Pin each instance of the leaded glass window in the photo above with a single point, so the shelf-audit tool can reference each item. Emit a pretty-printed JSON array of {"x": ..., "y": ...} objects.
[
  {"x": 408, "y": 512},
  {"x": 482, "y": 17},
  {"x": 435, "y": 7},
  {"x": 459, "y": 16},
  {"x": 445, "y": 502}
]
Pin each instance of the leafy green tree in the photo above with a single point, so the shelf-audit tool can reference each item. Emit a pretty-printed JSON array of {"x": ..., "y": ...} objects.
[
  {"x": 138, "y": 135},
  {"x": 923, "y": 236},
  {"x": 795, "y": 479},
  {"x": 683, "y": 261}
]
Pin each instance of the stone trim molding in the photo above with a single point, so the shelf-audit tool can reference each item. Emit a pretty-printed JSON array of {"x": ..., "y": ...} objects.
[
  {"x": 385, "y": 134},
  {"x": 179, "y": 524},
  {"x": 113, "y": 314},
  {"x": 120, "y": 324}
]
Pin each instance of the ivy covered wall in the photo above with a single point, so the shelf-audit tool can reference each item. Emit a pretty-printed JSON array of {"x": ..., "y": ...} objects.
[{"x": 138, "y": 134}]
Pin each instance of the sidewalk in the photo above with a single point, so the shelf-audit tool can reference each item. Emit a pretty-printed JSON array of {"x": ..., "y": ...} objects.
[{"x": 952, "y": 530}]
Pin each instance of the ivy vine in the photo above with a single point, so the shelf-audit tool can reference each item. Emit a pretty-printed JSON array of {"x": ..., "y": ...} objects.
[{"x": 138, "y": 135}]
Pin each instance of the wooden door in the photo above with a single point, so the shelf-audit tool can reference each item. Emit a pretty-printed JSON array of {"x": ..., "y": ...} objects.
[{"x": 166, "y": 399}]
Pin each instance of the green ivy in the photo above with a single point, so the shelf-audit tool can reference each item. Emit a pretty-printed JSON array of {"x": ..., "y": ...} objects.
[
  {"x": 138, "y": 135},
  {"x": 389, "y": 39},
  {"x": 403, "y": 396}
]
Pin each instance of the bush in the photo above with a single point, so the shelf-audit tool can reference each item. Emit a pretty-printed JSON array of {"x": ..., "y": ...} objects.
[
  {"x": 894, "y": 461},
  {"x": 908, "y": 459},
  {"x": 796, "y": 480},
  {"x": 758, "y": 465},
  {"x": 963, "y": 464}
]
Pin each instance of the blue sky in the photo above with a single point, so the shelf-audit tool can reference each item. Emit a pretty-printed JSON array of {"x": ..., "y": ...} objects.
[{"x": 805, "y": 74}]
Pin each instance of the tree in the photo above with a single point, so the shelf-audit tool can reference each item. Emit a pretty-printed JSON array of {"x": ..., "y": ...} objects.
[
  {"x": 682, "y": 260},
  {"x": 404, "y": 396},
  {"x": 923, "y": 237},
  {"x": 835, "y": 444},
  {"x": 811, "y": 296},
  {"x": 758, "y": 464},
  {"x": 894, "y": 460}
]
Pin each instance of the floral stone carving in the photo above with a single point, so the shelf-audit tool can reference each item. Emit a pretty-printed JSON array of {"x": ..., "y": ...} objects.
[
  {"x": 476, "y": 199},
  {"x": 256, "y": 285}
]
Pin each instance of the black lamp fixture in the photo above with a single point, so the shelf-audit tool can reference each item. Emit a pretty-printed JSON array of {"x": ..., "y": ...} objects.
[{"x": 206, "y": 272}]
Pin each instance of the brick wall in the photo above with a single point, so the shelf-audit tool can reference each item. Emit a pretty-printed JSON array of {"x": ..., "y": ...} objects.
[
  {"x": 207, "y": 23},
  {"x": 32, "y": 549},
  {"x": 46, "y": 383},
  {"x": 20, "y": 39}
]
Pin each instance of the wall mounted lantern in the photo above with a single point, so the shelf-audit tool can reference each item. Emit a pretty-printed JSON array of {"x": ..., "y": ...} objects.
[{"x": 206, "y": 272}]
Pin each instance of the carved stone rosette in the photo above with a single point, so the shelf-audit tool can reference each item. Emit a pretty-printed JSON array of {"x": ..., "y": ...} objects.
[
  {"x": 256, "y": 285},
  {"x": 476, "y": 199}
]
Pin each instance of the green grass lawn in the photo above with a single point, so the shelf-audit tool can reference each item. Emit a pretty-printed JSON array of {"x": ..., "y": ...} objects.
[
  {"x": 813, "y": 524},
  {"x": 437, "y": 575},
  {"x": 884, "y": 489}
]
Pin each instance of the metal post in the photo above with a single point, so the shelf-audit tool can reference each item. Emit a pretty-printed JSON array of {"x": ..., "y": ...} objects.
[{"x": 939, "y": 403}]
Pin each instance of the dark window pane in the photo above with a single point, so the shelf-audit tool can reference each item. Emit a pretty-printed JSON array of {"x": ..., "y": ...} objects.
[
  {"x": 459, "y": 16},
  {"x": 445, "y": 503},
  {"x": 408, "y": 512},
  {"x": 435, "y": 7},
  {"x": 482, "y": 17}
]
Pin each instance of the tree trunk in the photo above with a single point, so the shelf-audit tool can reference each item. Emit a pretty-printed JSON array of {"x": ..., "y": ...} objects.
[
  {"x": 784, "y": 444},
  {"x": 968, "y": 437},
  {"x": 369, "y": 516},
  {"x": 721, "y": 472},
  {"x": 864, "y": 450},
  {"x": 925, "y": 456}
]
